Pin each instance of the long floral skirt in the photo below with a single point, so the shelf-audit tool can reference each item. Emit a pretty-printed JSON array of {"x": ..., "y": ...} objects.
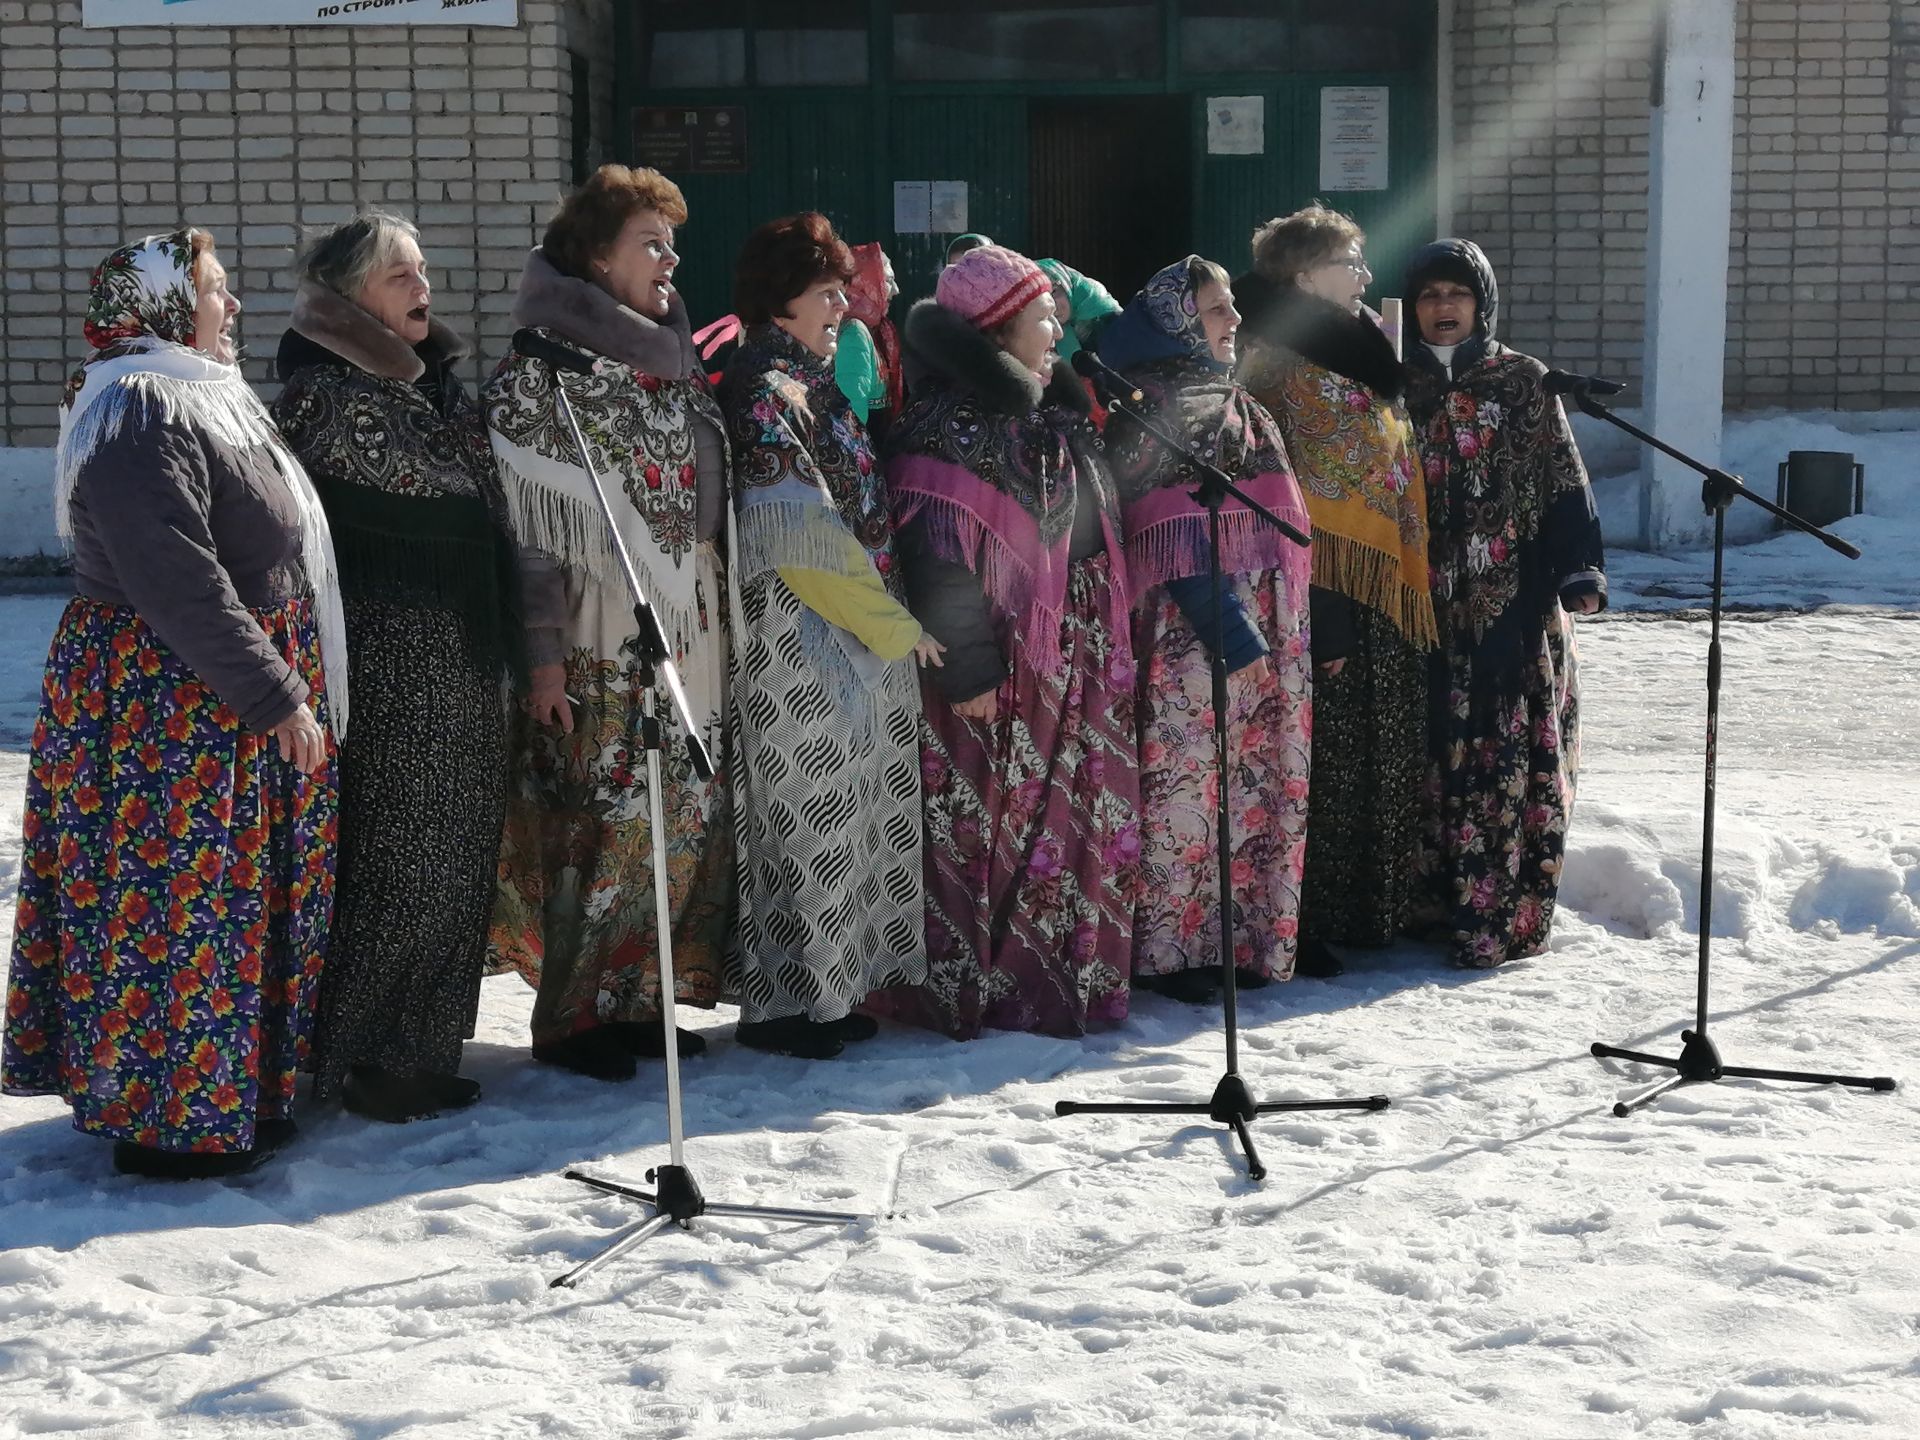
[
  {"x": 1369, "y": 768},
  {"x": 575, "y": 912},
  {"x": 1033, "y": 841},
  {"x": 828, "y": 819},
  {"x": 175, "y": 893},
  {"x": 1177, "y": 924},
  {"x": 1500, "y": 794}
]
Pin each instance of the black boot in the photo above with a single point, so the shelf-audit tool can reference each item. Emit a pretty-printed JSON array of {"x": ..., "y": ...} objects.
[
  {"x": 853, "y": 1028},
  {"x": 646, "y": 1039},
  {"x": 595, "y": 1053},
  {"x": 389, "y": 1096},
  {"x": 1189, "y": 987},
  {"x": 791, "y": 1035},
  {"x": 268, "y": 1137},
  {"x": 1315, "y": 960},
  {"x": 1245, "y": 979},
  {"x": 454, "y": 1092}
]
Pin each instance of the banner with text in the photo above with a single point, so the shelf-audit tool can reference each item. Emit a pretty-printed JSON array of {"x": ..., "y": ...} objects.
[{"x": 110, "y": 14}]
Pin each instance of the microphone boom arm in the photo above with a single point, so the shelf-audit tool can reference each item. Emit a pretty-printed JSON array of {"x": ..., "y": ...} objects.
[{"x": 1216, "y": 485}]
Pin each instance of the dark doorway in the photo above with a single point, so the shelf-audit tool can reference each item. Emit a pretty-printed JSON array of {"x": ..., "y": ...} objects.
[{"x": 1111, "y": 189}]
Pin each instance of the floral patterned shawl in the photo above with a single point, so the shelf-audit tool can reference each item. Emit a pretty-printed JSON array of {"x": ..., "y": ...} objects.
[
  {"x": 638, "y": 410},
  {"x": 806, "y": 489},
  {"x": 991, "y": 466},
  {"x": 1188, "y": 393},
  {"x": 1513, "y": 516},
  {"x": 1332, "y": 381}
]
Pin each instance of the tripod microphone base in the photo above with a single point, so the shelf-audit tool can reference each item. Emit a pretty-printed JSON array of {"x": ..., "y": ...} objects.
[
  {"x": 676, "y": 1200},
  {"x": 1232, "y": 1105},
  {"x": 1699, "y": 1062}
]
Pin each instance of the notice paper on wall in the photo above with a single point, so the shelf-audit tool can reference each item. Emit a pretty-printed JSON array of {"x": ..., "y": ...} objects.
[
  {"x": 1236, "y": 124},
  {"x": 110, "y": 14},
  {"x": 912, "y": 207},
  {"x": 1353, "y": 137},
  {"x": 948, "y": 207}
]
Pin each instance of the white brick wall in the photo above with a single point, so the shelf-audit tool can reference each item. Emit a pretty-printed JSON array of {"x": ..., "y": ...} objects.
[
  {"x": 1824, "y": 283},
  {"x": 255, "y": 132}
]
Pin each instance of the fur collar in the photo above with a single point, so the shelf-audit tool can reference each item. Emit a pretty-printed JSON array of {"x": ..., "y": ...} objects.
[
  {"x": 1321, "y": 333},
  {"x": 342, "y": 328},
  {"x": 589, "y": 317},
  {"x": 940, "y": 345}
]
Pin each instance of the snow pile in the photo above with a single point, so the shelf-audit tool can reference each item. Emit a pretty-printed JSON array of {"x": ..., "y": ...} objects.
[{"x": 1496, "y": 1255}]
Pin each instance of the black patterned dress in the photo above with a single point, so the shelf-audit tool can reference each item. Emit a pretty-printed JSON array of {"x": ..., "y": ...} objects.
[
  {"x": 1513, "y": 534},
  {"x": 407, "y": 478}
]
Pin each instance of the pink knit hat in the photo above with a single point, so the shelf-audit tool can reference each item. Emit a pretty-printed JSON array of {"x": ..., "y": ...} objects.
[{"x": 989, "y": 285}]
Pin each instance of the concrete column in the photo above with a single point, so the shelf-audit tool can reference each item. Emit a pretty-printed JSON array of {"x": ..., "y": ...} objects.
[{"x": 1689, "y": 228}]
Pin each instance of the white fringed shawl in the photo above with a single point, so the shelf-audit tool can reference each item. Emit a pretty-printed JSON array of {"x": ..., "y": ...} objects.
[{"x": 158, "y": 382}]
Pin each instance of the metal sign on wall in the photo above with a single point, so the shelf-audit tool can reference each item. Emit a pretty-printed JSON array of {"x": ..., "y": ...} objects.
[
  {"x": 107, "y": 14},
  {"x": 691, "y": 139}
]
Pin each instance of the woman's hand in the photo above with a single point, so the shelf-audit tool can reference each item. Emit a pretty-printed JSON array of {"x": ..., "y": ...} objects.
[
  {"x": 982, "y": 707},
  {"x": 928, "y": 651},
  {"x": 550, "y": 704},
  {"x": 302, "y": 742},
  {"x": 1331, "y": 668},
  {"x": 1256, "y": 676}
]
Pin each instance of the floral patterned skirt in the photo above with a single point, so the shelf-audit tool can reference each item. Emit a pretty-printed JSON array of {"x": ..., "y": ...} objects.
[
  {"x": 175, "y": 893},
  {"x": 574, "y": 910},
  {"x": 1033, "y": 841},
  {"x": 1500, "y": 795},
  {"x": 1177, "y": 926}
]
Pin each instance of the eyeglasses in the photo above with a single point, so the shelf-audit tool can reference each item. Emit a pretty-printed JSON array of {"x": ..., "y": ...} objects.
[{"x": 1347, "y": 262}]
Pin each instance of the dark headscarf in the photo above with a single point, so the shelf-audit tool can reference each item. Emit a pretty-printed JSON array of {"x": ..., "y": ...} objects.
[{"x": 1464, "y": 263}]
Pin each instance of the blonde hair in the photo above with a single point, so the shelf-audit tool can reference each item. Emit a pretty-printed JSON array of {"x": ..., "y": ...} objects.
[{"x": 1287, "y": 245}]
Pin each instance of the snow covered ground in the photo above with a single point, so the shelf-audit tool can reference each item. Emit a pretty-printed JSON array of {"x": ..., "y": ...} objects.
[{"x": 1495, "y": 1256}]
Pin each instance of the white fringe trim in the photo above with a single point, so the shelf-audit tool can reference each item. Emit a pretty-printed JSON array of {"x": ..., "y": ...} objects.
[
  {"x": 169, "y": 384},
  {"x": 553, "y": 512},
  {"x": 130, "y": 392}
]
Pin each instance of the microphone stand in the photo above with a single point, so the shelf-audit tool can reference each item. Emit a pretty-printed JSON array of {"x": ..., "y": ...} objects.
[
  {"x": 676, "y": 1198},
  {"x": 1699, "y": 1059},
  {"x": 1232, "y": 1103}
]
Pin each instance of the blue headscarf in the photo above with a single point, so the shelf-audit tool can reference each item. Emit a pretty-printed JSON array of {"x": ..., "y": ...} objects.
[{"x": 1162, "y": 322}]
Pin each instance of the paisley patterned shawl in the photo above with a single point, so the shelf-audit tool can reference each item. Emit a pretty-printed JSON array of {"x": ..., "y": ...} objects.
[
  {"x": 1500, "y": 461},
  {"x": 1329, "y": 378},
  {"x": 1192, "y": 396},
  {"x": 807, "y": 491},
  {"x": 639, "y": 429},
  {"x": 410, "y": 485},
  {"x": 987, "y": 470},
  {"x": 805, "y": 480}
]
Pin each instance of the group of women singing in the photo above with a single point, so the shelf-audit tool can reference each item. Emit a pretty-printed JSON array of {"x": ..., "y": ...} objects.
[{"x": 958, "y": 685}]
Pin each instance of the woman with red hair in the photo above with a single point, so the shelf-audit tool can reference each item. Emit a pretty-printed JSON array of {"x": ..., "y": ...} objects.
[
  {"x": 825, "y": 703},
  {"x": 576, "y": 909}
]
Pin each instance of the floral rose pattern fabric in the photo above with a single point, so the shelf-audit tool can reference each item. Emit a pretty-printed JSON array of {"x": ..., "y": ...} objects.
[{"x": 175, "y": 894}]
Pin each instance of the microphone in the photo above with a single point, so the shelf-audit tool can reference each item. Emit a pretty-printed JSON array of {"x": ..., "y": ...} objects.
[
  {"x": 532, "y": 343},
  {"x": 1092, "y": 367},
  {"x": 1565, "y": 382}
]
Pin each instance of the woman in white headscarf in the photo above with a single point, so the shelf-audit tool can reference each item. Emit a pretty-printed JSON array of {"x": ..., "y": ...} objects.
[{"x": 177, "y": 876}]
